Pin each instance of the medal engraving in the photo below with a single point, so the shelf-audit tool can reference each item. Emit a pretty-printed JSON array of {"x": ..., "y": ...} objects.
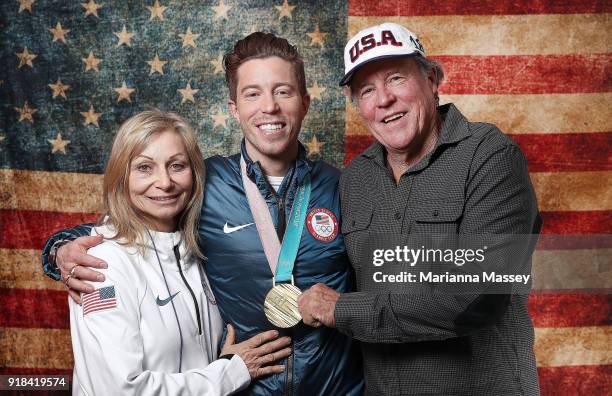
[{"x": 281, "y": 307}]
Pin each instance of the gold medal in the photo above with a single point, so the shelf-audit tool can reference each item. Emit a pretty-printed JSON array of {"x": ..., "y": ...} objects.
[{"x": 281, "y": 307}]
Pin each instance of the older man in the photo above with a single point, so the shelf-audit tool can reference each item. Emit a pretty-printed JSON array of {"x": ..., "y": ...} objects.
[
  {"x": 430, "y": 171},
  {"x": 256, "y": 203}
]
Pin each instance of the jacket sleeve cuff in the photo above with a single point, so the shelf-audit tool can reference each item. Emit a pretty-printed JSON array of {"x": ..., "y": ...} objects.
[
  {"x": 241, "y": 377},
  {"x": 353, "y": 312},
  {"x": 69, "y": 234},
  {"x": 48, "y": 264}
]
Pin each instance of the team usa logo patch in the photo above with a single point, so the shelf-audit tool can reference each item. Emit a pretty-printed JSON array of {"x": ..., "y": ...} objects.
[{"x": 322, "y": 224}]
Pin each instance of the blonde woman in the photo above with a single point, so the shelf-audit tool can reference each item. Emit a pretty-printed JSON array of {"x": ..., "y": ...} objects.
[{"x": 153, "y": 327}]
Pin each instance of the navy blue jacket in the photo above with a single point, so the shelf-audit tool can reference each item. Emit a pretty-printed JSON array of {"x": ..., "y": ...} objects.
[{"x": 324, "y": 361}]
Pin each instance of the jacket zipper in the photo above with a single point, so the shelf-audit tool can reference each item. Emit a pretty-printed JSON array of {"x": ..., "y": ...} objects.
[
  {"x": 280, "y": 202},
  {"x": 281, "y": 218},
  {"x": 177, "y": 256},
  {"x": 282, "y": 227},
  {"x": 289, "y": 383}
]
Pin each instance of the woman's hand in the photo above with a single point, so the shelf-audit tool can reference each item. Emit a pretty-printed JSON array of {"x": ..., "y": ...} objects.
[{"x": 258, "y": 351}]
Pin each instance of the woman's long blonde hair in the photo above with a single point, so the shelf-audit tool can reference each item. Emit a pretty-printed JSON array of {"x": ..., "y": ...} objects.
[{"x": 131, "y": 139}]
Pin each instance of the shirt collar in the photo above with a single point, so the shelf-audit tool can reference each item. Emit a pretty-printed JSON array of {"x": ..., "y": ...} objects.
[
  {"x": 455, "y": 126},
  {"x": 302, "y": 165}
]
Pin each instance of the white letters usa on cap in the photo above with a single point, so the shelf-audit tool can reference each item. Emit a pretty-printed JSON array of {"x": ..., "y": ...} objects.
[{"x": 378, "y": 42}]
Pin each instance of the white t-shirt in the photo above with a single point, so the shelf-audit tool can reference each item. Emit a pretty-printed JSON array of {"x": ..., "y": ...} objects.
[{"x": 275, "y": 181}]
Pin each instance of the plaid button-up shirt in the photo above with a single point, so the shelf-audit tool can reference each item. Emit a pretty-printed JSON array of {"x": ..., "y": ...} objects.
[{"x": 475, "y": 181}]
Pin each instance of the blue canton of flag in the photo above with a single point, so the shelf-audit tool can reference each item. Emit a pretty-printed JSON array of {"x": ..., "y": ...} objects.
[
  {"x": 107, "y": 292},
  {"x": 322, "y": 219},
  {"x": 73, "y": 71}
]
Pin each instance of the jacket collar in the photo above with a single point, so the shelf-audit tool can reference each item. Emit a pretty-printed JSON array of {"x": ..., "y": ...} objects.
[
  {"x": 163, "y": 242},
  {"x": 302, "y": 166}
]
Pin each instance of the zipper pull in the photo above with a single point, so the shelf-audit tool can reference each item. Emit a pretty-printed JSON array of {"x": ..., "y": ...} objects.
[
  {"x": 177, "y": 255},
  {"x": 282, "y": 223}
]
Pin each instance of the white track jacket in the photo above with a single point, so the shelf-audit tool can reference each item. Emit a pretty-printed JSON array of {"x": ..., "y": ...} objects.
[{"x": 126, "y": 338}]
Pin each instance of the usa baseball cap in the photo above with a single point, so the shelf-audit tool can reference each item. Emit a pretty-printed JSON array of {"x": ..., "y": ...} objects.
[{"x": 382, "y": 41}]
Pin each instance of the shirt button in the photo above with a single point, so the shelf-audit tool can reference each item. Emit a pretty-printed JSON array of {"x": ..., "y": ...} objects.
[
  {"x": 398, "y": 216},
  {"x": 353, "y": 223},
  {"x": 436, "y": 213}
]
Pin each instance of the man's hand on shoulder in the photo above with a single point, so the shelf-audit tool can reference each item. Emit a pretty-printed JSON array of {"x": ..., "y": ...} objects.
[
  {"x": 74, "y": 263},
  {"x": 317, "y": 306}
]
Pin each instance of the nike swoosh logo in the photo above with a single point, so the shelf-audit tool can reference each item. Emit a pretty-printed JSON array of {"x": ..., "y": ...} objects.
[
  {"x": 163, "y": 302},
  {"x": 228, "y": 230}
]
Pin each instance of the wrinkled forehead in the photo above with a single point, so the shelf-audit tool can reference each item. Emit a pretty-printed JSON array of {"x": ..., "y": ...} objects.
[
  {"x": 381, "y": 69},
  {"x": 164, "y": 141}
]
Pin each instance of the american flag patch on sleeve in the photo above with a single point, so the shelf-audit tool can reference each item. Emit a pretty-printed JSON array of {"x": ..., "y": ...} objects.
[{"x": 100, "y": 300}]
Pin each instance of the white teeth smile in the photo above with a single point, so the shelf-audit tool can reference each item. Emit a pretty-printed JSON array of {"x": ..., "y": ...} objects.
[
  {"x": 270, "y": 127},
  {"x": 393, "y": 117},
  {"x": 162, "y": 198}
]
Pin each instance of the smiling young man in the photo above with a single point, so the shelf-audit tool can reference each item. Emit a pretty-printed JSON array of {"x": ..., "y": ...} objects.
[
  {"x": 269, "y": 103},
  {"x": 430, "y": 172},
  {"x": 268, "y": 98}
]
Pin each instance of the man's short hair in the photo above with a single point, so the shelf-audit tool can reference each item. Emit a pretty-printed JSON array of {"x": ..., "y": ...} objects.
[
  {"x": 261, "y": 45},
  {"x": 427, "y": 65}
]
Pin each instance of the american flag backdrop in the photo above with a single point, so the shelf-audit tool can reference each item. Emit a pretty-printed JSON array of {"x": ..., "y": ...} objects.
[{"x": 71, "y": 71}]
